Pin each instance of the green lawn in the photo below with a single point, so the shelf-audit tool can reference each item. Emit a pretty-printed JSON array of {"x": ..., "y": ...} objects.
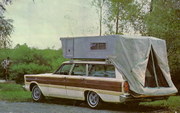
[
  {"x": 173, "y": 103},
  {"x": 13, "y": 92}
]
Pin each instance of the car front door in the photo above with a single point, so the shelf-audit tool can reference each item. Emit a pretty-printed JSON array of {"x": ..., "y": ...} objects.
[
  {"x": 57, "y": 82},
  {"x": 75, "y": 82}
]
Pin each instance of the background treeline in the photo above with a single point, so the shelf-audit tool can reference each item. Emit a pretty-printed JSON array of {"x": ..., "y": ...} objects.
[{"x": 26, "y": 60}]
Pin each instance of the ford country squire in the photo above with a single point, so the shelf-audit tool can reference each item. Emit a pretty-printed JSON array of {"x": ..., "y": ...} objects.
[{"x": 90, "y": 81}]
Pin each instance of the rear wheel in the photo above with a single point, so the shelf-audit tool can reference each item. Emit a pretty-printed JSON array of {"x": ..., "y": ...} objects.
[
  {"x": 37, "y": 94},
  {"x": 93, "y": 100}
]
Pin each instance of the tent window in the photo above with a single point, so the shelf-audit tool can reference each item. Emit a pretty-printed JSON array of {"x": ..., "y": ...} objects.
[
  {"x": 154, "y": 75},
  {"x": 98, "y": 46}
]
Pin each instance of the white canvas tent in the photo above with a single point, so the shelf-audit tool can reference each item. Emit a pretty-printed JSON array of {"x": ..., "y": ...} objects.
[{"x": 141, "y": 60}]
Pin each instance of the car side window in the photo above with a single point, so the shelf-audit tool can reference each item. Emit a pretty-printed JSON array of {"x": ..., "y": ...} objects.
[
  {"x": 79, "y": 69},
  {"x": 110, "y": 71},
  {"x": 101, "y": 70},
  {"x": 64, "y": 70}
]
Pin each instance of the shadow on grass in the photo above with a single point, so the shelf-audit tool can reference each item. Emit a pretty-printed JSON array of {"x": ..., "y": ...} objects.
[{"x": 108, "y": 106}]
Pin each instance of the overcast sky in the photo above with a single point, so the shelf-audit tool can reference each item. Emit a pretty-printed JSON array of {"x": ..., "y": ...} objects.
[{"x": 42, "y": 23}]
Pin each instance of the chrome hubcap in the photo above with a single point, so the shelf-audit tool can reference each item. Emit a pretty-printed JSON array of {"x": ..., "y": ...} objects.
[
  {"x": 36, "y": 93},
  {"x": 93, "y": 99}
]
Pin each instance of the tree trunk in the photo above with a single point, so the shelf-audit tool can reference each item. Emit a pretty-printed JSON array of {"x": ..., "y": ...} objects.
[
  {"x": 151, "y": 6},
  {"x": 100, "y": 22},
  {"x": 117, "y": 19}
]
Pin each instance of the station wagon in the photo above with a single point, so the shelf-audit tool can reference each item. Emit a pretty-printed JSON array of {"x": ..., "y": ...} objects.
[{"x": 91, "y": 81}]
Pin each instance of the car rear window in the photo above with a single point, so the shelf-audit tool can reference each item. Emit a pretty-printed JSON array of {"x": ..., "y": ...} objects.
[{"x": 101, "y": 70}]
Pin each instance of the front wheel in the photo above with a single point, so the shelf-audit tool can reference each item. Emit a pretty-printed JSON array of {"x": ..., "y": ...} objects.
[
  {"x": 37, "y": 94},
  {"x": 93, "y": 100}
]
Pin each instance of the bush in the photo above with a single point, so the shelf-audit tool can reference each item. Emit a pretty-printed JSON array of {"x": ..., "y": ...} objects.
[
  {"x": 18, "y": 71},
  {"x": 27, "y": 60}
]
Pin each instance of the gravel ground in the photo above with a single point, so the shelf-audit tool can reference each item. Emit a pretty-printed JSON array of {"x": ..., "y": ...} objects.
[
  {"x": 68, "y": 106},
  {"x": 30, "y": 107}
]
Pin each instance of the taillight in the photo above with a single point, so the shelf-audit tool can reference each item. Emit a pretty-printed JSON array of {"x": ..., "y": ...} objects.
[{"x": 126, "y": 87}]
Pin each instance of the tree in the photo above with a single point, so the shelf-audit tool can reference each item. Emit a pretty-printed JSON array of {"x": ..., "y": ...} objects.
[
  {"x": 163, "y": 22},
  {"x": 121, "y": 16},
  {"x": 99, "y": 5},
  {"x": 6, "y": 27}
]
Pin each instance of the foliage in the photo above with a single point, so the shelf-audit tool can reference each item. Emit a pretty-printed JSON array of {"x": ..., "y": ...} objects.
[
  {"x": 31, "y": 61},
  {"x": 121, "y": 16},
  {"x": 6, "y": 27},
  {"x": 2, "y": 5},
  {"x": 17, "y": 71}
]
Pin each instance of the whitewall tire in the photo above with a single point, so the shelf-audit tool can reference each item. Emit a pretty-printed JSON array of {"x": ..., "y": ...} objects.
[
  {"x": 93, "y": 100},
  {"x": 37, "y": 94}
]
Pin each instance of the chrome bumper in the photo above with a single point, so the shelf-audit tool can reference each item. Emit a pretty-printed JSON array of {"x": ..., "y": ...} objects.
[
  {"x": 125, "y": 98},
  {"x": 24, "y": 87}
]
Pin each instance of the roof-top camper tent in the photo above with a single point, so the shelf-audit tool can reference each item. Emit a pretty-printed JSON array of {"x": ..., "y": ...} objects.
[
  {"x": 88, "y": 47},
  {"x": 141, "y": 60}
]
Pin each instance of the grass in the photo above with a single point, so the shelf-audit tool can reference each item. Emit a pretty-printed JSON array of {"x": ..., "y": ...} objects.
[
  {"x": 13, "y": 92},
  {"x": 173, "y": 103}
]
